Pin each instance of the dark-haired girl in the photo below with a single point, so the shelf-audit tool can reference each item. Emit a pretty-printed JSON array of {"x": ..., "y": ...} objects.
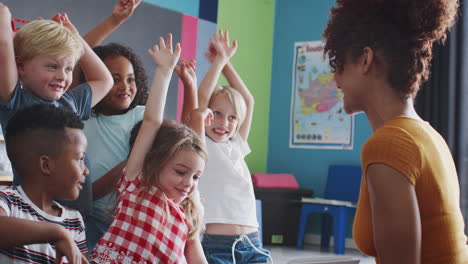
[{"x": 408, "y": 209}]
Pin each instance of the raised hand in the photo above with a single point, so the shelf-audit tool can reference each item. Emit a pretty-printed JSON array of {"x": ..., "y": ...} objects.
[
  {"x": 210, "y": 54},
  {"x": 66, "y": 247},
  {"x": 220, "y": 47},
  {"x": 186, "y": 72},
  {"x": 5, "y": 12},
  {"x": 65, "y": 21},
  {"x": 205, "y": 114},
  {"x": 6, "y": 22},
  {"x": 163, "y": 55},
  {"x": 199, "y": 119},
  {"x": 123, "y": 9}
]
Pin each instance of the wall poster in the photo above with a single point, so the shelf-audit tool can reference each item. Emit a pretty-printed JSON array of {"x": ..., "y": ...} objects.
[{"x": 318, "y": 119}]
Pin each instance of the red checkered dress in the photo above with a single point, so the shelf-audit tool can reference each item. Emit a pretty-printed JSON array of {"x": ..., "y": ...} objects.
[{"x": 149, "y": 230}]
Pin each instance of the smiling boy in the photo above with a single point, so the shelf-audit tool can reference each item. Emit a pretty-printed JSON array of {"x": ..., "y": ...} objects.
[
  {"x": 37, "y": 67},
  {"x": 47, "y": 147},
  {"x": 38, "y": 63}
]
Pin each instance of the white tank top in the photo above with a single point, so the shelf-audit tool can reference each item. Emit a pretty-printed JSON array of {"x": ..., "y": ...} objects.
[{"x": 226, "y": 185}]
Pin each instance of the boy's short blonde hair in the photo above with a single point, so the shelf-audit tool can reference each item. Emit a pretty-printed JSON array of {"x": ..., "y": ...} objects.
[
  {"x": 46, "y": 37},
  {"x": 236, "y": 100}
]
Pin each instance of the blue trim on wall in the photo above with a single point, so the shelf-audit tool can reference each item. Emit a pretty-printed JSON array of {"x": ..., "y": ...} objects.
[
  {"x": 189, "y": 7},
  {"x": 209, "y": 10}
]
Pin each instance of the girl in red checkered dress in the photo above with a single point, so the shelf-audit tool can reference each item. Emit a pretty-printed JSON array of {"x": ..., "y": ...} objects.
[{"x": 156, "y": 219}]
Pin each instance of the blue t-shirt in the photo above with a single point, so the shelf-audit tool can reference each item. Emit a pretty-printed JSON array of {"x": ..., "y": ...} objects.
[
  {"x": 108, "y": 143},
  {"x": 77, "y": 100}
]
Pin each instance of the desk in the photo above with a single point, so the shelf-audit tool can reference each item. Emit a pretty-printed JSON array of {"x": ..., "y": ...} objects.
[
  {"x": 281, "y": 209},
  {"x": 6, "y": 179}
]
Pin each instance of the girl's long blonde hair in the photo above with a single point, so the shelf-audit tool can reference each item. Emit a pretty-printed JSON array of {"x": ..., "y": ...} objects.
[{"x": 172, "y": 138}]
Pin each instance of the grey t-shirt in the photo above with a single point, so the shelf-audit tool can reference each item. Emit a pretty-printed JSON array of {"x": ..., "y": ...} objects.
[{"x": 77, "y": 100}]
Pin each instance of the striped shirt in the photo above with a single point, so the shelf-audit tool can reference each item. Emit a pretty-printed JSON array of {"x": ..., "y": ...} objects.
[{"x": 15, "y": 203}]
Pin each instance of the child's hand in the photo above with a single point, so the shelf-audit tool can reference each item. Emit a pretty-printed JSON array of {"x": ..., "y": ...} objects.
[
  {"x": 163, "y": 55},
  {"x": 66, "y": 247},
  {"x": 186, "y": 72},
  {"x": 202, "y": 115},
  {"x": 210, "y": 54},
  {"x": 65, "y": 21},
  {"x": 5, "y": 12},
  {"x": 123, "y": 9},
  {"x": 219, "y": 47}
]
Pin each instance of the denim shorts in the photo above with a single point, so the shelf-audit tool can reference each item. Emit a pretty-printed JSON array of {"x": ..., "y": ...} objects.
[{"x": 218, "y": 249}]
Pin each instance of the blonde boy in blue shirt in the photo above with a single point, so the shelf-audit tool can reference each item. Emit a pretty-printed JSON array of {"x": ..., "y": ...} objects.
[{"x": 37, "y": 67}]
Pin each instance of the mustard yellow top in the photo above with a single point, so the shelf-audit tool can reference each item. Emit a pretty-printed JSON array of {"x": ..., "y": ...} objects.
[{"x": 418, "y": 152}]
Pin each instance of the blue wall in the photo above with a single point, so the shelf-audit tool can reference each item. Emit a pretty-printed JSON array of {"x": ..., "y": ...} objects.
[{"x": 301, "y": 20}]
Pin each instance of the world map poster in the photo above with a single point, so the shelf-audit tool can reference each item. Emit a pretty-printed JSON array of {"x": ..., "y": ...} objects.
[{"x": 318, "y": 119}]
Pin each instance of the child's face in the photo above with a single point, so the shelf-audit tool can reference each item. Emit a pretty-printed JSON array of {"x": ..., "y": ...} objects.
[
  {"x": 68, "y": 170},
  {"x": 124, "y": 90},
  {"x": 47, "y": 77},
  {"x": 179, "y": 177},
  {"x": 223, "y": 127}
]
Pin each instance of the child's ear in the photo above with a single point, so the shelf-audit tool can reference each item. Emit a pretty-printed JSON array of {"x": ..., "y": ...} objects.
[
  {"x": 19, "y": 65},
  {"x": 46, "y": 164}
]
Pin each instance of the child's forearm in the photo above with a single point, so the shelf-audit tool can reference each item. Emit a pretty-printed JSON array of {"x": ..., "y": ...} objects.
[
  {"x": 165, "y": 59},
  {"x": 95, "y": 38},
  {"x": 197, "y": 124},
  {"x": 154, "y": 110},
  {"x": 107, "y": 183},
  {"x": 101, "y": 31},
  {"x": 17, "y": 232},
  {"x": 96, "y": 73},
  {"x": 236, "y": 82},
  {"x": 190, "y": 101},
  {"x": 152, "y": 120},
  {"x": 209, "y": 81},
  {"x": 194, "y": 252},
  {"x": 9, "y": 73}
]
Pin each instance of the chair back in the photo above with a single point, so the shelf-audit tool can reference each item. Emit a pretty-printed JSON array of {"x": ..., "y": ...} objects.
[{"x": 343, "y": 183}]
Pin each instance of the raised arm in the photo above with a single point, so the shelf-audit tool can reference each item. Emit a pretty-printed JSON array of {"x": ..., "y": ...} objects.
[
  {"x": 395, "y": 215},
  {"x": 186, "y": 72},
  {"x": 95, "y": 71},
  {"x": 199, "y": 119},
  {"x": 8, "y": 73},
  {"x": 17, "y": 232},
  {"x": 106, "y": 184},
  {"x": 236, "y": 82},
  {"x": 123, "y": 9},
  {"x": 219, "y": 53},
  {"x": 165, "y": 60}
]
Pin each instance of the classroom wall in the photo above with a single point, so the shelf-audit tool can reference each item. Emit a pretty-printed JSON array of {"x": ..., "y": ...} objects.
[
  {"x": 251, "y": 23},
  {"x": 295, "y": 21}
]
